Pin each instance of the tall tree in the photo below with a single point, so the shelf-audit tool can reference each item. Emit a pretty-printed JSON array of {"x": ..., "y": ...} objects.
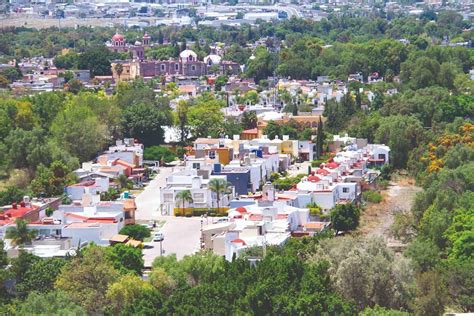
[
  {"x": 144, "y": 122},
  {"x": 345, "y": 217},
  {"x": 79, "y": 131},
  {"x": 20, "y": 234},
  {"x": 320, "y": 138},
  {"x": 86, "y": 278},
  {"x": 184, "y": 197},
  {"x": 118, "y": 67}
]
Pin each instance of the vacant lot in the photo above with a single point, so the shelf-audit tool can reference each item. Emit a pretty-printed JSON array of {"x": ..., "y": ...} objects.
[{"x": 377, "y": 218}]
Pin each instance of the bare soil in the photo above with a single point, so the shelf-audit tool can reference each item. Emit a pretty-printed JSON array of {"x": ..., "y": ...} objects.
[{"x": 377, "y": 218}]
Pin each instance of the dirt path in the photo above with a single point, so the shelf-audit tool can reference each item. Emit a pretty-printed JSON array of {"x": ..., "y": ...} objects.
[{"x": 377, "y": 218}]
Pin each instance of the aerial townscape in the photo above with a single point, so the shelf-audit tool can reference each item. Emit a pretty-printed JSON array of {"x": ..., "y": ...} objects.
[{"x": 237, "y": 157}]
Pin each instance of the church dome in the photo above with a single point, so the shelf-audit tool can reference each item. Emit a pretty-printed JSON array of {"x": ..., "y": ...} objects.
[
  {"x": 212, "y": 59},
  {"x": 118, "y": 38},
  {"x": 188, "y": 54}
]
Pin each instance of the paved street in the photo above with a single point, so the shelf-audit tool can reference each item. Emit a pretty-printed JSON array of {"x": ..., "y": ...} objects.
[
  {"x": 181, "y": 234},
  {"x": 181, "y": 238},
  {"x": 148, "y": 202}
]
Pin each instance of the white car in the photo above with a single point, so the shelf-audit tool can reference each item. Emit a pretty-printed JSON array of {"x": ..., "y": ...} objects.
[{"x": 158, "y": 236}]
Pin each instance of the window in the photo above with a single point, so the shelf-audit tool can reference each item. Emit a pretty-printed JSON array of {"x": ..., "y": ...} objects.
[
  {"x": 212, "y": 154},
  {"x": 198, "y": 197},
  {"x": 196, "y": 165},
  {"x": 382, "y": 156},
  {"x": 193, "y": 68},
  {"x": 345, "y": 190},
  {"x": 176, "y": 66},
  {"x": 162, "y": 67},
  {"x": 168, "y": 197}
]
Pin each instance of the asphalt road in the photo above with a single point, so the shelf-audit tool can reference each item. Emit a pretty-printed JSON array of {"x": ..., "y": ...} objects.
[
  {"x": 181, "y": 234},
  {"x": 182, "y": 237}
]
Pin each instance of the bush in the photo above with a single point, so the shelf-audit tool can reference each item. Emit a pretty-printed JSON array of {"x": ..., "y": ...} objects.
[
  {"x": 138, "y": 232},
  {"x": 382, "y": 184},
  {"x": 159, "y": 153},
  {"x": 372, "y": 196}
]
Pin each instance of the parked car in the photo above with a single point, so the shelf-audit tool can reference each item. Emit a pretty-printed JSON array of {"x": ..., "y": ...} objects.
[
  {"x": 158, "y": 236},
  {"x": 221, "y": 220}
]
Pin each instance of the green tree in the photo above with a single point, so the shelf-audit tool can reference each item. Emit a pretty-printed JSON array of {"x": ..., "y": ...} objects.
[
  {"x": 320, "y": 138},
  {"x": 272, "y": 129},
  {"x": 40, "y": 275},
  {"x": 182, "y": 121},
  {"x": 431, "y": 296},
  {"x": 97, "y": 60},
  {"x": 206, "y": 119},
  {"x": 184, "y": 197},
  {"x": 79, "y": 131},
  {"x": 20, "y": 234},
  {"x": 125, "y": 258},
  {"x": 118, "y": 68},
  {"x": 345, "y": 217},
  {"x": 262, "y": 66},
  {"x": 401, "y": 134},
  {"x": 249, "y": 119},
  {"x": 52, "y": 303},
  {"x": 86, "y": 278},
  {"x": 219, "y": 187},
  {"x": 51, "y": 181},
  {"x": 136, "y": 231},
  {"x": 11, "y": 194},
  {"x": 127, "y": 291},
  {"x": 159, "y": 153},
  {"x": 144, "y": 121}
]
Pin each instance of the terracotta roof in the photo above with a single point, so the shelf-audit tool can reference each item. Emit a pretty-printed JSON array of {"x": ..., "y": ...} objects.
[
  {"x": 124, "y": 163},
  {"x": 322, "y": 171},
  {"x": 239, "y": 241},
  {"x": 332, "y": 165},
  {"x": 313, "y": 179},
  {"x": 241, "y": 209},
  {"x": 250, "y": 131},
  {"x": 129, "y": 204}
]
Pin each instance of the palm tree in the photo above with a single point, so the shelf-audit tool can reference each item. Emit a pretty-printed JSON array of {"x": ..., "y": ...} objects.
[
  {"x": 20, "y": 234},
  {"x": 184, "y": 196},
  {"x": 122, "y": 181},
  {"x": 219, "y": 186},
  {"x": 119, "y": 70}
]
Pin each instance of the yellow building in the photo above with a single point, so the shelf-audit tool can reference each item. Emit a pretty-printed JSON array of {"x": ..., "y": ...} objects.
[{"x": 124, "y": 75}]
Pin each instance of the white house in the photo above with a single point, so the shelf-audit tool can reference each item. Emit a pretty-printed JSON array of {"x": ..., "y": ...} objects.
[{"x": 202, "y": 196}]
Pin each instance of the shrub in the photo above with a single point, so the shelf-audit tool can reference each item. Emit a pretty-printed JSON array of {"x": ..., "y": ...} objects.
[
  {"x": 382, "y": 184},
  {"x": 138, "y": 232},
  {"x": 159, "y": 153},
  {"x": 372, "y": 196}
]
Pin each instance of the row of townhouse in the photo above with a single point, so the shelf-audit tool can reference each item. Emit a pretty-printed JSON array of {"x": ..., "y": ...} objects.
[
  {"x": 227, "y": 149},
  {"x": 342, "y": 178},
  {"x": 246, "y": 172},
  {"x": 260, "y": 220}
]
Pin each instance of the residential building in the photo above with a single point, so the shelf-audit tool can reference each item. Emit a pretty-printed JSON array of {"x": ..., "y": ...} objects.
[
  {"x": 257, "y": 224},
  {"x": 198, "y": 184}
]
